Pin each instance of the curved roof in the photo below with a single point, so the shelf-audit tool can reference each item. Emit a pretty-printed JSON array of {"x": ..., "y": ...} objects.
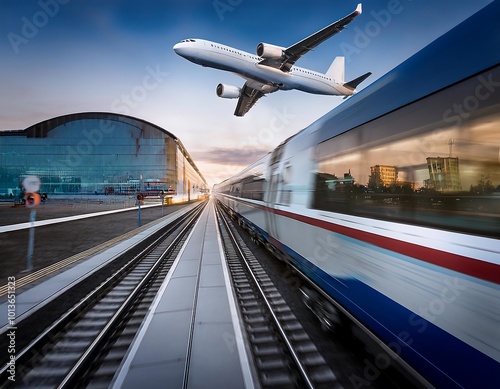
[
  {"x": 466, "y": 50},
  {"x": 41, "y": 129}
]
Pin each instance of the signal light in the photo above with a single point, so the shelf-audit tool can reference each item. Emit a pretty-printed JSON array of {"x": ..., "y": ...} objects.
[{"x": 31, "y": 199}]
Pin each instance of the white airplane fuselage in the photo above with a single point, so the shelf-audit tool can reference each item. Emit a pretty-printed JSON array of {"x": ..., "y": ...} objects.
[{"x": 218, "y": 56}]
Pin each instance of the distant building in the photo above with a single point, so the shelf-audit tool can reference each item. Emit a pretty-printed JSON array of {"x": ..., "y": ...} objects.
[
  {"x": 334, "y": 183},
  {"x": 98, "y": 153},
  {"x": 444, "y": 174},
  {"x": 382, "y": 176}
]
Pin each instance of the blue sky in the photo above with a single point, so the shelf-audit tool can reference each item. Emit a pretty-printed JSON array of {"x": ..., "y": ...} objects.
[{"x": 66, "y": 56}]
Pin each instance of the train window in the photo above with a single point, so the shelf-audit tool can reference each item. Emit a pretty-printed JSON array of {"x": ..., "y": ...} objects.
[
  {"x": 438, "y": 175},
  {"x": 252, "y": 187},
  {"x": 276, "y": 155},
  {"x": 285, "y": 192}
]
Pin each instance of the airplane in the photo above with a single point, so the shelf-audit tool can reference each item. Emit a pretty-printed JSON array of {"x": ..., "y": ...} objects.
[{"x": 273, "y": 67}]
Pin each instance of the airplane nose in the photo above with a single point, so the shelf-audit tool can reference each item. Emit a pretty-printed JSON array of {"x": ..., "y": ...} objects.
[
  {"x": 180, "y": 49},
  {"x": 186, "y": 50}
]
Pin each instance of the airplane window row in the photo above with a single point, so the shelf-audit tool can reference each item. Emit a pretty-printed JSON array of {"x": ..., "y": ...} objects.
[
  {"x": 260, "y": 59},
  {"x": 234, "y": 51},
  {"x": 316, "y": 74}
]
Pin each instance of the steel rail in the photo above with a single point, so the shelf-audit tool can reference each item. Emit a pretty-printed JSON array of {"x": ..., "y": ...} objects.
[
  {"x": 105, "y": 287},
  {"x": 93, "y": 349},
  {"x": 293, "y": 353}
]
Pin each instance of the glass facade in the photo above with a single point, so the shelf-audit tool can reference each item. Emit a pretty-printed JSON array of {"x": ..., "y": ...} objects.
[{"x": 97, "y": 153}]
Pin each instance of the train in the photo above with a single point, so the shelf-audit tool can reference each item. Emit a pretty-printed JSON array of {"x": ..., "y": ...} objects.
[{"x": 389, "y": 206}]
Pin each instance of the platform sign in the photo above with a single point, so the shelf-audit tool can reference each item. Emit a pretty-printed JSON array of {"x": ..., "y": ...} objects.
[
  {"x": 32, "y": 184},
  {"x": 32, "y": 199}
]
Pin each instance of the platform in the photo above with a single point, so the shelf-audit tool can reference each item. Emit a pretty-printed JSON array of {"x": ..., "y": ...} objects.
[
  {"x": 31, "y": 298},
  {"x": 46, "y": 222},
  {"x": 191, "y": 336}
]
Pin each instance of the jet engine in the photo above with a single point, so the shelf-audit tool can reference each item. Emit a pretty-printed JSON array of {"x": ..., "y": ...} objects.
[
  {"x": 228, "y": 91},
  {"x": 265, "y": 50}
]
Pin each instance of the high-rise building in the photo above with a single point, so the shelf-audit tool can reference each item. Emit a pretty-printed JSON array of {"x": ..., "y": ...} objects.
[
  {"x": 444, "y": 174},
  {"x": 382, "y": 176}
]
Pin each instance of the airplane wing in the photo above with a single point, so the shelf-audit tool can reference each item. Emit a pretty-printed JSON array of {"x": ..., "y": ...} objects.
[
  {"x": 293, "y": 53},
  {"x": 248, "y": 97}
]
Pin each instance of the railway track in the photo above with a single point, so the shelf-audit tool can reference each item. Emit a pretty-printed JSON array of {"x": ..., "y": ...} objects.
[
  {"x": 348, "y": 348},
  {"x": 284, "y": 354},
  {"x": 87, "y": 344}
]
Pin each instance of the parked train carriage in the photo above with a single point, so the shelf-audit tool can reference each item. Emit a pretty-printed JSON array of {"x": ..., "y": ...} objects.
[{"x": 392, "y": 207}]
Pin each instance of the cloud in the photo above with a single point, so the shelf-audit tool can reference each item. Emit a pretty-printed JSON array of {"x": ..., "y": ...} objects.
[{"x": 233, "y": 156}]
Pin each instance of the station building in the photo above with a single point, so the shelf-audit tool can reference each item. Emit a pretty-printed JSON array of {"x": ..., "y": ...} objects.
[{"x": 98, "y": 153}]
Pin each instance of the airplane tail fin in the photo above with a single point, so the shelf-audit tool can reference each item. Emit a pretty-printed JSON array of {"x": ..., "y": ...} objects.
[
  {"x": 354, "y": 83},
  {"x": 336, "y": 70}
]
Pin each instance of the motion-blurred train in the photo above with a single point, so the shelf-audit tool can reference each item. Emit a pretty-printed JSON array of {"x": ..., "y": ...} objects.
[{"x": 390, "y": 206}]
